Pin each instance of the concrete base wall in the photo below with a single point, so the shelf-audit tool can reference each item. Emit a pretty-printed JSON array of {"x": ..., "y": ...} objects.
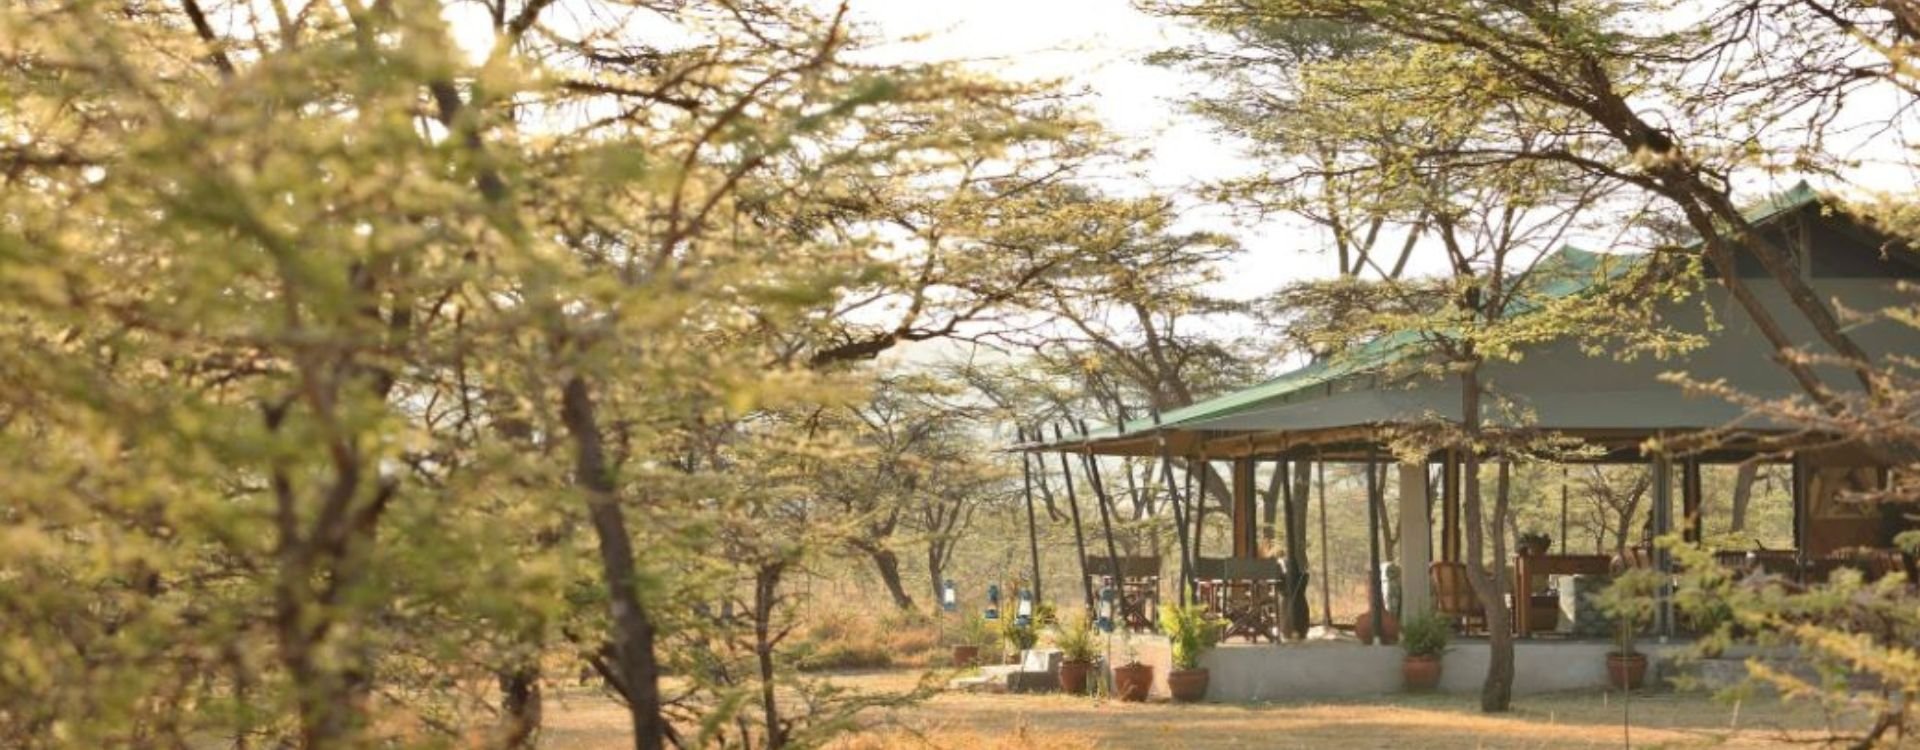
[{"x": 1296, "y": 671}]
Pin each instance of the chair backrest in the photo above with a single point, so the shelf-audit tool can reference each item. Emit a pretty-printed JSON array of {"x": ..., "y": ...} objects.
[
  {"x": 1634, "y": 558},
  {"x": 1209, "y": 568},
  {"x": 1130, "y": 567},
  {"x": 1253, "y": 570},
  {"x": 1452, "y": 593}
]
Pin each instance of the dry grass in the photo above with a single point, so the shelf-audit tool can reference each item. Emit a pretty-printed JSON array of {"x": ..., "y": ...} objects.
[
  {"x": 1028, "y": 722},
  {"x": 850, "y": 640}
]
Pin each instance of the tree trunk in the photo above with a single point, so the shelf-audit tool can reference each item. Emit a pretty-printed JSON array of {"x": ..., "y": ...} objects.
[
  {"x": 936, "y": 566},
  {"x": 633, "y": 631},
  {"x": 1270, "y": 505},
  {"x": 520, "y": 705},
  {"x": 1742, "y": 493},
  {"x": 887, "y": 564},
  {"x": 1496, "y": 693},
  {"x": 1389, "y": 539},
  {"x": 766, "y": 590}
]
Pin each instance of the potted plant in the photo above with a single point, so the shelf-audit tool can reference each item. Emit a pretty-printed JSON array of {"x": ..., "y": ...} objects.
[
  {"x": 1389, "y": 628},
  {"x": 1534, "y": 543},
  {"x": 1132, "y": 680},
  {"x": 1628, "y": 600},
  {"x": 1019, "y": 637},
  {"x": 1076, "y": 640},
  {"x": 1424, "y": 638},
  {"x": 1191, "y": 633},
  {"x": 966, "y": 646}
]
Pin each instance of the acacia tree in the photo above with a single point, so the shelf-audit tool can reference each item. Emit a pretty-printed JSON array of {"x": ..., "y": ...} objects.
[
  {"x": 1495, "y": 227},
  {"x": 1679, "y": 106},
  {"x": 341, "y": 336},
  {"x": 1615, "y": 505}
]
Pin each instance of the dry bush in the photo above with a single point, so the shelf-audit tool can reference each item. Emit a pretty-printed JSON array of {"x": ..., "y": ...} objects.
[{"x": 855, "y": 638}]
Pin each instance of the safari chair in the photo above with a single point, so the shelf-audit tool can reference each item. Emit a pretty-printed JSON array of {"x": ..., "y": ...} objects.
[
  {"x": 1209, "y": 584},
  {"x": 1251, "y": 599},
  {"x": 1453, "y": 596},
  {"x": 1138, "y": 589}
]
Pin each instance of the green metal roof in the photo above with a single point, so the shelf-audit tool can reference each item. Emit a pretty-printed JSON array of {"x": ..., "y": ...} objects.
[{"x": 1567, "y": 272}]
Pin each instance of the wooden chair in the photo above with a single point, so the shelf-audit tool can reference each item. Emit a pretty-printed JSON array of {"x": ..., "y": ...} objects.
[
  {"x": 1138, "y": 589},
  {"x": 1453, "y": 596},
  {"x": 1209, "y": 584},
  {"x": 1633, "y": 558},
  {"x": 1251, "y": 599}
]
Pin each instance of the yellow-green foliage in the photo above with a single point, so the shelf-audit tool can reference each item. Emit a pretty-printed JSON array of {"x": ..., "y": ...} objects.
[
  {"x": 355, "y": 352},
  {"x": 1075, "y": 637},
  {"x": 1191, "y": 631}
]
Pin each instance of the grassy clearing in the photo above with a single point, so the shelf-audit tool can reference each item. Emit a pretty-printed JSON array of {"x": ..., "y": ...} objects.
[{"x": 1051, "y": 722}]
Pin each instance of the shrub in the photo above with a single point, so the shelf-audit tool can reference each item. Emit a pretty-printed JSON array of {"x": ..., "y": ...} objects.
[
  {"x": 974, "y": 631},
  {"x": 1075, "y": 637},
  {"x": 1191, "y": 632},
  {"x": 859, "y": 640},
  {"x": 1019, "y": 637},
  {"x": 1425, "y": 635}
]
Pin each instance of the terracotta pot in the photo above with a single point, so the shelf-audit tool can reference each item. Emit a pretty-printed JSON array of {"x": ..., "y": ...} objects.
[
  {"x": 1073, "y": 676},
  {"x": 1626, "y": 671},
  {"x": 965, "y": 656},
  {"x": 1421, "y": 673},
  {"x": 1363, "y": 627},
  {"x": 1187, "y": 685},
  {"x": 1132, "y": 681}
]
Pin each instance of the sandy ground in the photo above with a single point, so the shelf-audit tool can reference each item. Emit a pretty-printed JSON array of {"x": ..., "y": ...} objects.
[{"x": 579, "y": 719}]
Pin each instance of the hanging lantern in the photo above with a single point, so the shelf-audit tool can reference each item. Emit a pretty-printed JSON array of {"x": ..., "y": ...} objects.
[
  {"x": 1023, "y": 611},
  {"x": 1104, "y": 609},
  {"x": 949, "y": 601}
]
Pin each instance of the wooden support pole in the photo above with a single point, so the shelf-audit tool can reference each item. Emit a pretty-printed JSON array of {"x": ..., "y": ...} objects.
[
  {"x": 1376, "y": 596},
  {"x": 1662, "y": 523},
  {"x": 1798, "y": 481},
  {"x": 1179, "y": 517},
  {"x": 1690, "y": 491},
  {"x": 1564, "y": 541},
  {"x": 1450, "y": 506},
  {"x": 1245, "y": 541},
  {"x": 1092, "y": 467},
  {"x": 1326, "y": 577},
  {"x": 1296, "y": 615},
  {"x": 1197, "y": 495},
  {"x": 1033, "y": 530},
  {"x": 1416, "y": 553},
  {"x": 1079, "y": 536}
]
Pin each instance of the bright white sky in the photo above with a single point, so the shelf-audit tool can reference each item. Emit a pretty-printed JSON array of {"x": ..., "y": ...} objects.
[{"x": 1100, "y": 47}]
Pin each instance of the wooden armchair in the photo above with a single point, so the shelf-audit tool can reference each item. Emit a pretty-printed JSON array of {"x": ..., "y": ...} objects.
[{"x": 1453, "y": 596}]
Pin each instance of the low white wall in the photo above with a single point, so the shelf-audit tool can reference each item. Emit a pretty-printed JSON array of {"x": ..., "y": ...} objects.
[{"x": 1328, "y": 669}]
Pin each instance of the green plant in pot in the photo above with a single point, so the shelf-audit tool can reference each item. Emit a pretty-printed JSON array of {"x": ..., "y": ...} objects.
[
  {"x": 1191, "y": 633},
  {"x": 1424, "y": 639},
  {"x": 1132, "y": 680},
  {"x": 1078, "y": 643},
  {"x": 973, "y": 632},
  {"x": 1629, "y": 601},
  {"x": 1019, "y": 637}
]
